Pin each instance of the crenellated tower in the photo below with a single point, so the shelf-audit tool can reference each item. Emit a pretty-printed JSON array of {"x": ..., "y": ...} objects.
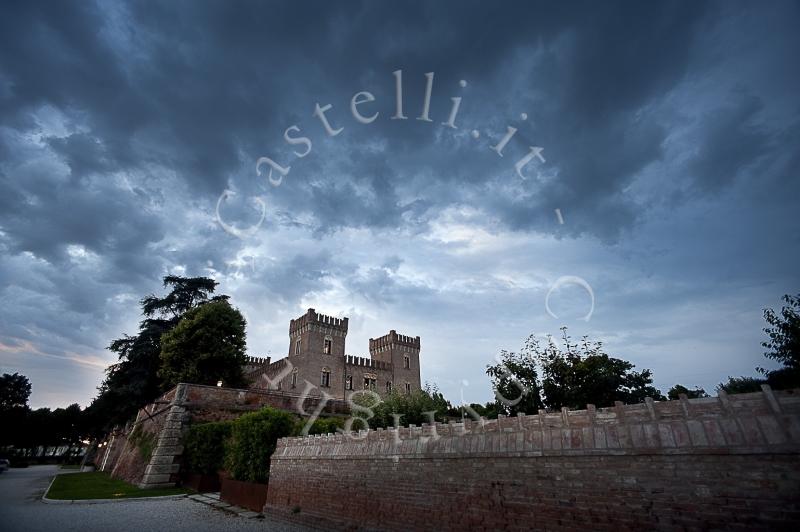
[
  {"x": 402, "y": 352},
  {"x": 317, "y": 363},
  {"x": 317, "y": 334}
]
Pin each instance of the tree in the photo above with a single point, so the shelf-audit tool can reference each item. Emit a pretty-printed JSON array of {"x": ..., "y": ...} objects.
[
  {"x": 489, "y": 410},
  {"x": 67, "y": 427},
  {"x": 675, "y": 392},
  {"x": 133, "y": 381},
  {"x": 14, "y": 391},
  {"x": 583, "y": 374},
  {"x": 413, "y": 408},
  {"x": 741, "y": 385},
  {"x": 783, "y": 343},
  {"x": 515, "y": 381},
  {"x": 207, "y": 345}
]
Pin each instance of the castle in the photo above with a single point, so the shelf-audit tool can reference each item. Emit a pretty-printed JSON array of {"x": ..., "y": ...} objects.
[{"x": 317, "y": 363}]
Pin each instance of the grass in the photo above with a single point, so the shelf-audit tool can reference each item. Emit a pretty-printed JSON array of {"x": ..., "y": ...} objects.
[{"x": 98, "y": 485}]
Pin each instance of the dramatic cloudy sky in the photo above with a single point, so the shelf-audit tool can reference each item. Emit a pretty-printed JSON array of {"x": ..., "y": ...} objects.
[{"x": 670, "y": 136}]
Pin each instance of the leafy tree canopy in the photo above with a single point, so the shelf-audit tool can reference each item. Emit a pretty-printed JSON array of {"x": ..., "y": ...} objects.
[
  {"x": 515, "y": 380},
  {"x": 572, "y": 375},
  {"x": 675, "y": 392},
  {"x": 207, "y": 345},
  {"x": 413, "y": 408},
  {"x": 579, "y": 374},
  {"x": 741, "y": 385},
  {"x": 14, "y": 391},
  {"x": 783, "y": 343},
  {"x": 133, "y": 381}
]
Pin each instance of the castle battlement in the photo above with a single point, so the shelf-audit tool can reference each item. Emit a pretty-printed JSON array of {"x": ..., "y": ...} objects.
[
  {"x": 394, "y": 338},
  {"x": 351, "y": 360},
  {"x": 253, "y": 364},
  {"x": 313, "y": 319},
  {"x": 749, "y": 421},
  {"x": 256, "y": 361}
]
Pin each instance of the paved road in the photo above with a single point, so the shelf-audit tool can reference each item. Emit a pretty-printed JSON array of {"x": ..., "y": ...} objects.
[{"x": 22, "y": 510}]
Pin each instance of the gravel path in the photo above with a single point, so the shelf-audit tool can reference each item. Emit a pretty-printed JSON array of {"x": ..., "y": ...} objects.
[{"x": 21, "y": 509}]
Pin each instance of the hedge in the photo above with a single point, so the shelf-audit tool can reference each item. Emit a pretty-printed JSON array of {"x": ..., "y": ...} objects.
[
  {"x": 204, "y": 446},
  {"x": 252, "y": 442}
]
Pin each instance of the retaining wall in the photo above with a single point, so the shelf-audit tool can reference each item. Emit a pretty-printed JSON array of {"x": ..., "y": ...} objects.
[
  {"x": 169, "y": 417},
  {"x": 728, "y": 462}
]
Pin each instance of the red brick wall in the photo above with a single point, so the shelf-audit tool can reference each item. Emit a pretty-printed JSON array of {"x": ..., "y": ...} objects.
[
  {"x": 210, "y": 403},
  {"x": 198, "y": 404},
  {"x": 722, "y": 463},
  {"x": 129, "y": 464}
]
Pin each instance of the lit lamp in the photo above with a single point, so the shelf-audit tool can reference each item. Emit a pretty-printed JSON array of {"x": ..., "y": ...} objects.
[{"x": 219, "y": 383}]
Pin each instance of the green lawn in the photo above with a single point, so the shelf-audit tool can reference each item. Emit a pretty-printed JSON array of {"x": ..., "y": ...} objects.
[{"x": 98, "y": 485}]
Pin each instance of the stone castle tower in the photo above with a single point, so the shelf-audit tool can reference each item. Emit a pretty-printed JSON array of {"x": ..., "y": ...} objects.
[
  {"x": 317, "y": 362},
  {"x": 402, "y": 354}
]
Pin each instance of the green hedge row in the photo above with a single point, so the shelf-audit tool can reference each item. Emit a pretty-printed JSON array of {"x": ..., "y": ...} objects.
[
  {"x": 243, "y": 446},
  {"x": 204, "y": 447},
  {"x": 253, "y": 440}
]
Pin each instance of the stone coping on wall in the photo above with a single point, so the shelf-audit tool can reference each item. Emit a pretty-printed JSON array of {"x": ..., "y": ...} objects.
[
  {"x": 759, "y": 422},
  {"x": 222, "y": 394}
]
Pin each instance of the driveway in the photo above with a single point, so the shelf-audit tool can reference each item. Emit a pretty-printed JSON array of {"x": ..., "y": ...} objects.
[{"x": 22, "y": 509}]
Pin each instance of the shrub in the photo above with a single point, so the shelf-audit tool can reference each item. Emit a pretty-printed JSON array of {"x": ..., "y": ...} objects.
[
  {"x": 411, "y": 407},
  {"x": 325, "y": 425},
  {"x": 204, "y": 446},
  {"x": 253, "y": 440}
]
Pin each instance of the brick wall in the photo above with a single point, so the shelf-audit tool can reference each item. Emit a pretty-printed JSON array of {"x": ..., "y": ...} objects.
[
  {"x": 169, "y": 417},
  {"x": 718, "y": 463},
  {"x": 130, "y": 464}
]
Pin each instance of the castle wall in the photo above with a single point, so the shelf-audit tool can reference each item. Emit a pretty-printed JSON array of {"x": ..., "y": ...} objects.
[
  {"x": 169, "y": 417},
  {"x": 138, "y": 439},
  {"x": 717, "y": 463},
  {"x": 360, "y": 368}
]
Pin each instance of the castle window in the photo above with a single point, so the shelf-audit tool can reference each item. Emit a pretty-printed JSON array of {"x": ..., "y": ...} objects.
[
  {"x": 297, "y": 347},
  {"x": 406, "y": 362},
  {"x": 294, "y": 378},
  {"x": 369, "y": 383},
  {"x": 389, "y": 387},
  {"x": 325, "y": 378},
  {"x": 408, "y": 388},
  {"x": 348, "y": 382},
  {"x": 327, "y": 346}
]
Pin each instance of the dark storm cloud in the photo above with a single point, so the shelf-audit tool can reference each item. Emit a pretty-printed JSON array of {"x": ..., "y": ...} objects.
[
  {"x": 732, "y": 142},
  {"x": 225, "y": 80}
]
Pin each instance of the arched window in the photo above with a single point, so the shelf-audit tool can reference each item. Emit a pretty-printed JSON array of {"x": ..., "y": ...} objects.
[
  {"x": 406, "y": 362},
  {"x": 325, "y": 378},
  {"x": 297, "y": 347},
  {"x": 408, "y": 388},
  {"x": 348, "y": 382},
  {"x": 388, "y": 386},
  {"x": 328, "y": 345},
  {"x": 294, "y": 378}
]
